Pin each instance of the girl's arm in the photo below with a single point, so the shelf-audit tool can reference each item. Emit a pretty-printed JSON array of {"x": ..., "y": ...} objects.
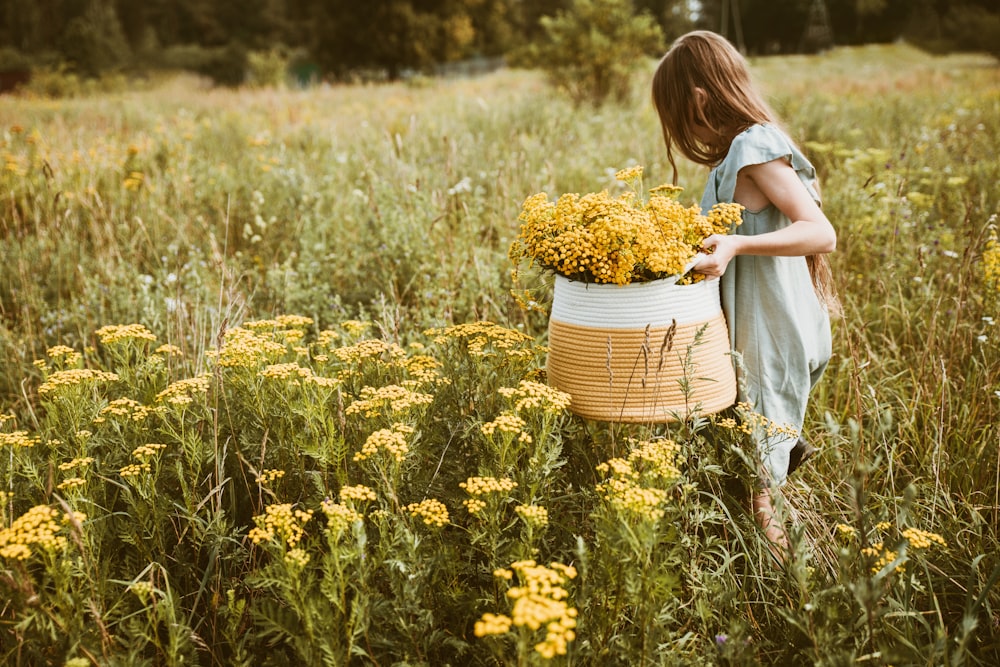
[{"x": 809, "y": 234}]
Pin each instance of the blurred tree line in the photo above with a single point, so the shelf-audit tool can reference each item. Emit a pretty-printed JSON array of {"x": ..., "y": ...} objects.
[{"x": 340, "y": 38}]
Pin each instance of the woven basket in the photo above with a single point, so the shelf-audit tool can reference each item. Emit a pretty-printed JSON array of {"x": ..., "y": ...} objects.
[{"x": 611, "y": 349}]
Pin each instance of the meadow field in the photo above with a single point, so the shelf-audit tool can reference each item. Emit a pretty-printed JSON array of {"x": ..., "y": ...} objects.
[{"x": 267, "y": 398}]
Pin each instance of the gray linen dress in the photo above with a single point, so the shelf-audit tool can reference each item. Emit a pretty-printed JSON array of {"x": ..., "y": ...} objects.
[{"x": 776, "y": 321}]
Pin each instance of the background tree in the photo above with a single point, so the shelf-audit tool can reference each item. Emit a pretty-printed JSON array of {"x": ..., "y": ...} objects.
[
  {"x": 340, "y": 38},
  {"x": 94, "y": 41},
  {"x": 673, "y": 16},
  {"x": 392, "y": 35},
  {"x": 591, "y": 49}
]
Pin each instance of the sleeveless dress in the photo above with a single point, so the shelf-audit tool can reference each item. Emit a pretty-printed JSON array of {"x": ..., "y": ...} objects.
[{"x": 776, "y": 322}]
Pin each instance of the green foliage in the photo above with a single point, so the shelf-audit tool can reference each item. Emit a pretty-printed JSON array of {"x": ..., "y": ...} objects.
[
  {"x": 94, "y": 42},
  {"x": 59, "y": 82},
  {"x": 260, "y": 513},
  {"x": 226, "y": 65},
  {"x": 395, "y": 205},
  {"x": 972, "y": 28},
  {"x": 592, "y": 49},
  {"x": 391, "y": 38},
  {"x": 13, "y": 60},
  {"x": 267, "y": 68}
]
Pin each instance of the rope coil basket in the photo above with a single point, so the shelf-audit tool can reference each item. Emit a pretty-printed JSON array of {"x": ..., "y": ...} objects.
[{"x": 619, "y": 351}]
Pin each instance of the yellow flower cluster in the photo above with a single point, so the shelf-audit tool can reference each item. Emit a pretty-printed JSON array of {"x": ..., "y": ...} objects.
[
  {"x": 133, "y": 181},
  {"x": 80, "y": 462},
  {"x": 143, "y": 452},
  {"x": 296, "y": 373},
  {"x": 355, "y": 327},
  {"x": 507, "y": 422},
  {"x": 35, "y": 528},
  {"x": 422, "y": 368},
  {"x": 530, "y": 395},
  {"x": 656, "y": 459},
  {"x": 267, "y": 476},
  {"x": 392, "y": 440},
  {"x": 369, "y": 349},
  {"x": 492, "y": 624},
  {"x": 626, "y": 496},
  {"x": 481, "y": 486},
  {"x": 297, "y": 557},
  {"x": 392, "y": 396},
  {"x": 18, "y": 439},
  {"x": 921, "y": 539},
  {"x": 432, "y": 512},
  {"x": 68, "y": 355},
  {"x": 539, "y": 602},
  {"x": 326, "y": 337},
  {"x": 474, "y": 505},
  {"x": 168, "y": 350},
  {"x": 181, "y": 391},
  {"x": 286, "y": 371},
  {"x": 629, "y": 174},
  {"x": 535, "y": 516},
  {"x": 480, "y": 337},
  {"x": 991, "y": 262},
  {"x": 359, "y": 493},
  {"x": 116, "y": 333},
  {"x": 845, "y": 533},
  {"x": 338, "y": 517},
  {"x": 754, "y": 423},
  {"x": 624, "y": 488},
  {"x": 280, "y": 521},
  {"x": 244, "y": 348},
  {"x": 12, "y": 165},
  {"x": 127, "y": 408},
  {"x": 294, "y": 321},
  {"x": 71, "y": 483},
  {"x": 73, "y": 377},
  {"x": 142, "y": 589},
  {"x": 280, "y": 326},
  {"x": 605, "y": 239},
  {"x": 882, "y": 557},
  {"x": 291, "y": 337},
  {"x": 134, "y": 469}
]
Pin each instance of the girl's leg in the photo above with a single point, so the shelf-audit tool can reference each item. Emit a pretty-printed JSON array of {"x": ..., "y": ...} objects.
[{"x": 774, "y": 531}]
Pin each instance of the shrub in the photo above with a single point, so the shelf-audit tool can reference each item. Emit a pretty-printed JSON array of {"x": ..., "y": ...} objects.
[
  {"x": 94, "y": 41},
  {"x": 267, "y": 68},
  {"x": 591, "y": 49},
  {"x": 226, "y": 66},
  {"x": 54, "y": 82}
]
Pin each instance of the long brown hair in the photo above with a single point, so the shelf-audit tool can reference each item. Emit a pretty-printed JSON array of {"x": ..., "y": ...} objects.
[
  {"x": 705, "y": 60},
  {"x": 730, "y": 104}
]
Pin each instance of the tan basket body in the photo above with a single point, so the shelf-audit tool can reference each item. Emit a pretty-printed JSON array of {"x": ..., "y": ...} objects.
[{"x": 633, "y": 373}]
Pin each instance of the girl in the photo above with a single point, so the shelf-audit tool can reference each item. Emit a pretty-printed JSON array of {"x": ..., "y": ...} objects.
[{"x": 776, "y": 291}]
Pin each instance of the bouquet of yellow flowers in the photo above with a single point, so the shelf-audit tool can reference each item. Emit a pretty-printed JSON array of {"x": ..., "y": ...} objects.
[{"x": 597, "y": 238}]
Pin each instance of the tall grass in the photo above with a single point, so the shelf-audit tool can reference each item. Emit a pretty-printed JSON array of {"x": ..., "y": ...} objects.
[{"x": 378, "y": 213}]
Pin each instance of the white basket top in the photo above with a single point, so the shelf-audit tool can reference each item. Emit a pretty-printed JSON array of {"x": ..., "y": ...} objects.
[{"x": 634, "y": 306}]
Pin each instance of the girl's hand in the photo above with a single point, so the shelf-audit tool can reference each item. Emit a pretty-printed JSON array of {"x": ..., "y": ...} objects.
[{"x": 723, "y": 249}]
